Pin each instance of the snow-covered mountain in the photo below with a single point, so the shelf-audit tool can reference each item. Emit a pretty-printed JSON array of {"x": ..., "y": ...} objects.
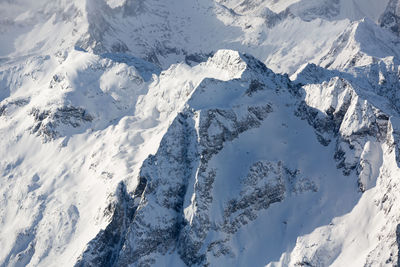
[{"x": 199, "y": 133}]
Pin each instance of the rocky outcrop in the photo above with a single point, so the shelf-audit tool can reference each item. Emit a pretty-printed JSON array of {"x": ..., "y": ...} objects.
[
  {"x": 47, "y": 122},
  {"x": 390, "y": 19},
  {"x": 237, "y": 179},
  {"x": 266, "y": 183},
  {"x": 174, "y": 210},
  {"x": 104, "y": 249},
  {"x": 398, "y": 243},
  {"x": 335, "y": 106},
  {"x": 183, "y": 156},
  {"x": 171, "y": 209},
  {"x": 10, "y": 105},
  {"x": 216, "y": 127}
]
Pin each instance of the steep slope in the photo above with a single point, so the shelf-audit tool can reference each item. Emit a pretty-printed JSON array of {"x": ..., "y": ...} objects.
[
  {"x": 311, "y": 9},
  {"x": 163, "y": 32},
  {"x": 230, "y": 164},
  {"x": 363, "y": 43},
  {"x": 390, "y": 18},
  {"x": 97, "y": 133},
  {"x": 129, "y": 138}
]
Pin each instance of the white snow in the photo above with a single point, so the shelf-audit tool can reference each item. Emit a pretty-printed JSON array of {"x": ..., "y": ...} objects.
[{"x": 125, "y": 66}]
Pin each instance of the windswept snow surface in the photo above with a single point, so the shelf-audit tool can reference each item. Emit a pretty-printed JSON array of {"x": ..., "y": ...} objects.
[{"x": 137, "y": 133}]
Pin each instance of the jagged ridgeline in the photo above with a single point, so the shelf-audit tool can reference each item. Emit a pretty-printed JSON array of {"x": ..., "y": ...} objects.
[{"x": 199, "y": 133}]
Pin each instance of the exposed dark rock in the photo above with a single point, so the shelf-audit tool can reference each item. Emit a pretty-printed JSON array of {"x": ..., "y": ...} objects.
[
  {"x": 194, "y": 233},
  {"x": 398, "y": 243},
  {"x": 254, "y": 87},
  {"x": 48, "y": 121},
  {"x": 264, "y": 185},
  {"x": 4, "y": 108},
  {"x": 104, "y": 249},
  {"x": 167, "y": 174},
  {"x": 329, "y": 124},
  {"x": 390, "y": 19}
]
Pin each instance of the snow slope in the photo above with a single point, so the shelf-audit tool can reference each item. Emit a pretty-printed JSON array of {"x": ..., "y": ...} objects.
[{"x": 139, "y": 133}]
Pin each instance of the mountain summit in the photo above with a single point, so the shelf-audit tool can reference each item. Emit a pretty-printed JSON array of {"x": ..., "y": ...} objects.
[{"x": 199, "y": 133}]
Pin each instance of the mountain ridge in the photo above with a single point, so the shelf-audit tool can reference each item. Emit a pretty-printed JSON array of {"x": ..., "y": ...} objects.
[{"x": 143, "y": 133}]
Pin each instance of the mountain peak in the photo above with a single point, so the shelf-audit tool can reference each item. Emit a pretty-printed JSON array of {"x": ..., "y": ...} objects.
[
  {"x": 362, "y": 43},
  {"x": 168, "y": 133},
  {"x": 231, "y": 60}
]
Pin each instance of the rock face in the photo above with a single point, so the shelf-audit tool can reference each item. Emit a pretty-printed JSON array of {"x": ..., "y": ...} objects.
[
  {"x": 180, "y": 166},
  {"x": 337, "y": 116},
  {"x": 47, "y": 121},
  {"x": 391, "y": 18},
  {"x": 178, "y": 204},
  {"x": 130, "y": 138},
  {"x": 104, "y": 249}
]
